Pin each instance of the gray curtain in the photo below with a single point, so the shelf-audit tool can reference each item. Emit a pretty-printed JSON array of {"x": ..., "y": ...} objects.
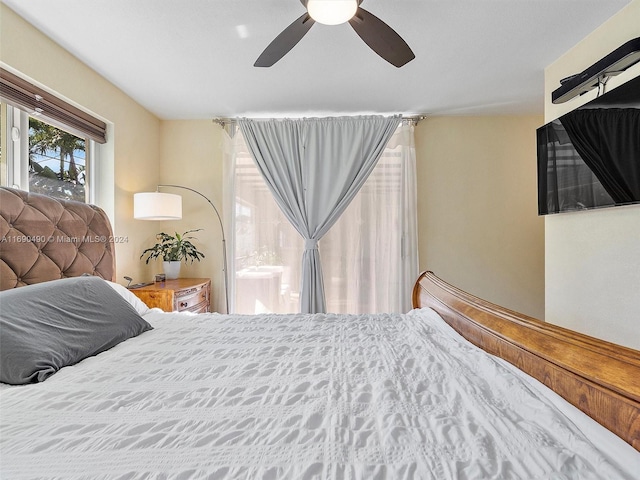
[{"x": 314, "y": 167}]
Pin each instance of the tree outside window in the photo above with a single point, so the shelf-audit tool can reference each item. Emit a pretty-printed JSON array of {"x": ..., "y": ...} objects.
[{"x": 57, "y": 165}]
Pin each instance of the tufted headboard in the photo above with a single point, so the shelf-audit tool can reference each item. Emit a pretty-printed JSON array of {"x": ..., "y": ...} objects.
[{"x": 44, "y": 238}]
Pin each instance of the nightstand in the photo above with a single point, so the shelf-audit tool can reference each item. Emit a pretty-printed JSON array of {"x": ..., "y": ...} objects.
[{"x": 179, "y": 295}]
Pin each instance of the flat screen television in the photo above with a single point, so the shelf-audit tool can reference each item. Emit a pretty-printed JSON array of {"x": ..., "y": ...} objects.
[{"x": 590, "y": 157}]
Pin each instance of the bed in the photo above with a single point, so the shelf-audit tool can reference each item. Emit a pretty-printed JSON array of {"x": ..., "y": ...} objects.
[{"x": 457, "y": 388}]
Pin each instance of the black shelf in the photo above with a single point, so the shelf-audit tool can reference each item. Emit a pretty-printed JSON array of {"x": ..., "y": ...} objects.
[{"x": 614, "y": 63}]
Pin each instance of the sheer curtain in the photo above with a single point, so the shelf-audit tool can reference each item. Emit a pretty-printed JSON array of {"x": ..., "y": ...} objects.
[{"x": 369, "y": 256}]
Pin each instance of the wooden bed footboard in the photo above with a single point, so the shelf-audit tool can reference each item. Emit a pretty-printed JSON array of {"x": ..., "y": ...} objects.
[{"x": 600, "y": 378}]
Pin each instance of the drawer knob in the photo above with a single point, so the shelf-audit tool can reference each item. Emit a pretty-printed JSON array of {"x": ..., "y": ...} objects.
[{"x": 184, "y": 304}]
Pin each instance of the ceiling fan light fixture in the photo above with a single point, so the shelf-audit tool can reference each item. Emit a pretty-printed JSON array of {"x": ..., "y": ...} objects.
[
  {"x": 332, "y": 12},
  {"x": 379, "y": 36}
]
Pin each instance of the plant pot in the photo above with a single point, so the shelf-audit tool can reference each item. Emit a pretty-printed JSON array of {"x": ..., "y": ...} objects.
[{"x": 171, "y": 269}]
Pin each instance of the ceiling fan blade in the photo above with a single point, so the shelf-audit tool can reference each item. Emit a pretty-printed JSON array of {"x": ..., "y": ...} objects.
[
  {"x": 381, "y": 38},
  {"x": 284, "y": 42}
]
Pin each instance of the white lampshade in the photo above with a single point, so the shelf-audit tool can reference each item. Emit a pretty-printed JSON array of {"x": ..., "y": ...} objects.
[
  {"x": 332, "y": 12},
  {"x": 157, "y": 206}
]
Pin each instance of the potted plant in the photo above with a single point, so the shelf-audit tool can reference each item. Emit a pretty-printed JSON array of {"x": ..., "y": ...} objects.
[{"x": 173, "y": 249}]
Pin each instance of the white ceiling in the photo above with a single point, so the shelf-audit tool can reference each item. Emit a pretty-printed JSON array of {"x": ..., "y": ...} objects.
[{"x": 193, "y": 59}]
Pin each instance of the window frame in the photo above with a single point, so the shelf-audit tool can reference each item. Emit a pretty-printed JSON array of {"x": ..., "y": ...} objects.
[{"x": 15, "y": 122}]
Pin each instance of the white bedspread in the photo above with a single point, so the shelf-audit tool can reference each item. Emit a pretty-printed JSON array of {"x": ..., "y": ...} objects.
[{"x": 295, "y": 397}]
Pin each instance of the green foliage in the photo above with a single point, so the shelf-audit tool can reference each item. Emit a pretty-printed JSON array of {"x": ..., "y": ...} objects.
[
  {"x": 174, "y": 248},
  {"x": 44, "y": 138}
]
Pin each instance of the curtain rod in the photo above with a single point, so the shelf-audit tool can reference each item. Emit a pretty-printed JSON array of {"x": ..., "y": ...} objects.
[{"x": 413, "y": 120}]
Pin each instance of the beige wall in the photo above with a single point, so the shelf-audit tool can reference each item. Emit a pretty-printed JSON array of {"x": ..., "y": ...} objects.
[
  {"x": 593, "y": 258},
  {"x": 191, "y": 156},
  {"x": 128, "y": 162},
  {"x": 477, "y": 207}
]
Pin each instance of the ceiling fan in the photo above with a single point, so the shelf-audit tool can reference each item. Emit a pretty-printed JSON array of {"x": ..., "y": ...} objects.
[{"x": 379, "y": 36}]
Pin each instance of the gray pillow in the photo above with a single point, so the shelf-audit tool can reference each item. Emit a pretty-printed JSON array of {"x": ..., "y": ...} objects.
[{"x": 50, "y": 325}]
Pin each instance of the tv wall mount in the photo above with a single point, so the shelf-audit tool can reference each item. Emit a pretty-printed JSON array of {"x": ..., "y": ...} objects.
[{"x": 616, "y": 62}]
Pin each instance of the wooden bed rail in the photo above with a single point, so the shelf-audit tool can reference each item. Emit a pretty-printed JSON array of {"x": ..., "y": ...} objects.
[{"x": 600, "y": 378}]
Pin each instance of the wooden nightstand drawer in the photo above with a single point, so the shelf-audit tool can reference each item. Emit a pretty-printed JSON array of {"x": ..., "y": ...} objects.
[
  {"x": 182, "y": 295},
  {"x": 156, "y": 299},
  {"x": 193, "y": 300}
]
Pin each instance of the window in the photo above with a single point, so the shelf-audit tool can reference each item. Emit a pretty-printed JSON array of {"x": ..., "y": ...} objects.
[
  {"x": 267, "y": 248},
  {"x": 57, "y": 161},
  {"x": 48, "y": 145},
  {"x": 369, "y": 257},
  {"x": 50, "y": 160}
]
